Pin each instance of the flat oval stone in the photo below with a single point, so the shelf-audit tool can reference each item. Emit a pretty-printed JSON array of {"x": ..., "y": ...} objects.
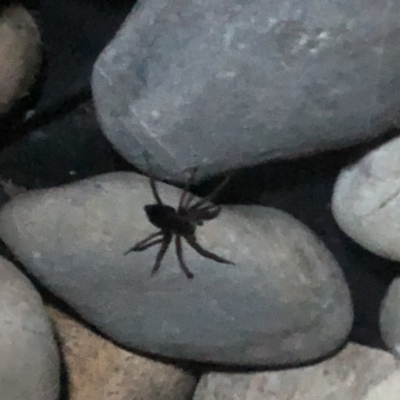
[
  {"x": 284, "y": 301},
  {"x": 29, "y": 361}
]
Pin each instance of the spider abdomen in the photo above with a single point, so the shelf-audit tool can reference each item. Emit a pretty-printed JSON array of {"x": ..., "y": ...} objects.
[{"x": 166, "y": 218}]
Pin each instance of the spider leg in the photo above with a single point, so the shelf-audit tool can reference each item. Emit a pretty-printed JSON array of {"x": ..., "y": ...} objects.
[
  {"x": 152, "y": 180},
  {"x": 205, "y": 253},
  {"x": 206, "y": 213},
  {"x": 143, "y": 246},
  {"x": 213, "y": 194},
  {"x": 190, "y": 197},
  {"x": 145, "y": 243},
  {"x": 187, "y": 196},
  {"x": 155, "y": 191},
  {"x": 179, "y": 253},
  {"x": 165, "y": 242}
]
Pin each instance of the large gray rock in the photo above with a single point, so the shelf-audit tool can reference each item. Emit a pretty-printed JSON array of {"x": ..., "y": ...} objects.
[
  {"x": 285, "y": 300},
  {"x": 356, "y": 373},
  {"x": 29, "y": 362},
  {"x": 225, "y": 84}
]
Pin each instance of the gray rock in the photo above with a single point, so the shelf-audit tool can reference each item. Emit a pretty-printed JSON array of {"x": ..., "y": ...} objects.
[
  {"x": 389, "y": 318},
  {"x": 285, "y": 300},
  {"x": 226, "y": 84},
  {"x": 29, "y": 363},
  {"x": 356, "y": 373},
  {"x": 366, "y": 200}
]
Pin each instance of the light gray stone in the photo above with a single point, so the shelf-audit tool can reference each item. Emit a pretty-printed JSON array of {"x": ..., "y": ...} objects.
[
  {"x": 390, "y": 318},
  {"x": 225, "y": 84},
  {"x": 366, "y": 200},
  {"x": 285, "y": 300},
  {"x": 29, "y": 363},
  {"x": 356, "y": 373}
]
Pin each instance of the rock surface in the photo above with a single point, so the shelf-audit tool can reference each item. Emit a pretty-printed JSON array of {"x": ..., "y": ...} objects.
[
  {"x": 366, "y": 200},
  {"x": 390, "y": 318},
  {"x": 227, "y": 84},
  {"x": 29, "y": 362},
  {"x": 20, "y": 55},
  {"x": 356, "y": 373},
  {"x": 100, "y": 370},
  {"x": 285, "y": 300}
]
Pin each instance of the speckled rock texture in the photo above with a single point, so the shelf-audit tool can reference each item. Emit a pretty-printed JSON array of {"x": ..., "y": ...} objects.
[{"x": 226, "y": 84}]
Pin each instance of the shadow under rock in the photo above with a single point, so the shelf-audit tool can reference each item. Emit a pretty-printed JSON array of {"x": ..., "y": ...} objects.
[
  {"x": 66, "y": 150},
  {"x": 74, "y": 33}
]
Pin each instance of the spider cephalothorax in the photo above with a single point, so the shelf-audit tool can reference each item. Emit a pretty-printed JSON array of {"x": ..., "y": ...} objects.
[{"x": 181, "y": 223}]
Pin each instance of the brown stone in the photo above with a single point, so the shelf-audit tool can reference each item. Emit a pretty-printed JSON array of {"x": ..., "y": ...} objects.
[{"x": 100, "y": 370}]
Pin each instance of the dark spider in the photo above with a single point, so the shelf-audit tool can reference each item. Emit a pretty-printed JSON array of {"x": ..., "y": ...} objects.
[{"x": 181, "y": 223}]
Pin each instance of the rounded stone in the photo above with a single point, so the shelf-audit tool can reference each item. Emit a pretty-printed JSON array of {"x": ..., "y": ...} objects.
[
  {"x": 366, "y": 200},
  {"x": 29, "y": 361},
  {"x": 20, "y": 55},
  {"x": 225, "y": 84},
  {"x": 389, "y": 321},
  {"x": 284, "y": 301}
]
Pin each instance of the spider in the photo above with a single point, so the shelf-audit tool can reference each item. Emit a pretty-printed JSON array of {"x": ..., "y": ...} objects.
[{"x": 181, "y": 223}]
